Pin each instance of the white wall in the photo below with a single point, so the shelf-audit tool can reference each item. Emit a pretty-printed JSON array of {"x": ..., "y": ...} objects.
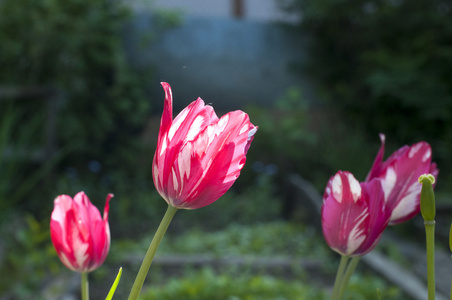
[
  {"x": 230, "y": 63},
  {"x": 254, "y": 10}
]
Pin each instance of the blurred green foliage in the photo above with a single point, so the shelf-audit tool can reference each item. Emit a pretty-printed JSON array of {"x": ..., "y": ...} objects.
[
  {"x": 26, "y": 256},
  {"x": 75, "y": 47},
  {"x": 385, "y": 65},
  {"x": 268, "y": 239},
  {"x": 71, "y": 52},
  {"x": 21, "y": 172},
  {"x": 311, "y": 141},
  {"x": 206, "y": 284}
]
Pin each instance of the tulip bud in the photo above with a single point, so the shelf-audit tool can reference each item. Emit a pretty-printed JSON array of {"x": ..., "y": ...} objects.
[
  {"x": 80, "y": 235},
  {"x": 428, "y": 209}
]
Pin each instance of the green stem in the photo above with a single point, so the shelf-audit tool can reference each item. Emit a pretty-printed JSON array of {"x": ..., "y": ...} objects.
[
  {"x": 430, "y": 241},
  {"x": 348, "y": 273},
  {"x": 339, "y": 276},
  {"x": 147, "y": 261},
  {"x": 85, "y": 286}
]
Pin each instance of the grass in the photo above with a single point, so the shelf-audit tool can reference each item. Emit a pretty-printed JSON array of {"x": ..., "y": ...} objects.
[{"x": 270, "y": 240}]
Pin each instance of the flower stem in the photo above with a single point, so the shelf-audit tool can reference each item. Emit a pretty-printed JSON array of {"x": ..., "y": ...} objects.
[
  {"x": 85, "y": 286},
  {"x": 430, "y": 241},
  {"x": 348, "y": 273},
  {"x": 147, "y": 261},
  {"x": 339, "y": 277}
]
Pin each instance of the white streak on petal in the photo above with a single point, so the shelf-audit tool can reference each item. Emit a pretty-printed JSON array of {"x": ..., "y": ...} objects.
[
  {"x": 176, "y": 123},
  {"x": 66, "y": 262},
  {"x": 328, "y": 190},
  {"x": 252, "y": 132},
  {"x": 427, "y": 155},
  {"x": 79, "y": 246},
  {"x": 355, "y": 187},
  {"x": 163, "y": 146},
  {"x": 244, "y": 128},
  {"x": 156, "y": 173},
  {"x": 414, "y": 149},
  {"x": 223, "y": 122},
  {"x": 337, "y": 188},
  {"x": 195, "y": 128},
  {"x": 175, "y": 181},
  {"x": 408, "y": 203},
  {"x": 357, "y": 235},
  {"x": 388, "y": 182},
  {"x": 184, "y": 162}
]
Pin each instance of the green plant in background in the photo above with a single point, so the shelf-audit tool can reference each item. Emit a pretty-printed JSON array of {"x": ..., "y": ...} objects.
[
  {"x": 21, "y": 151},
  {"x": 206, "y": 284},
  {"x": 379, "y": 63},
  {"x": 26, "y": 256},
  {"x": 268, "y": 239},
  {"x": 310, "y": 140},
  {"x": 76, "y": 48},
  {"x": 64, "y": 59},
  {"x": 70, "y": 55}
]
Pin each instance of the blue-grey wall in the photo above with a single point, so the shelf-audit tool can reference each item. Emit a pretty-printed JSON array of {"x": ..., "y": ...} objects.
[{"x": 226, "y": 62}]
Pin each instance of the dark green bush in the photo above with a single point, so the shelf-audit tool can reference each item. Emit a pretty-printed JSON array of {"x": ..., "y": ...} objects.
[
  {"x": 310, "y": 141},
  {"x": 206, "y": 284},
  {"x": 72, "y": 50},
  {"x": 385, "y": 65},
  {"x": 75, "y": 47}
]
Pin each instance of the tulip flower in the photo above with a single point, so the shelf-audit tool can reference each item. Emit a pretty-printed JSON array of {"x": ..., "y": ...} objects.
[
  {"x": 199, "y": 156},
  {"x": 399, "y": 175},
  {"x": 354, "y": 214},
  {"x": 80, "y": 236}
]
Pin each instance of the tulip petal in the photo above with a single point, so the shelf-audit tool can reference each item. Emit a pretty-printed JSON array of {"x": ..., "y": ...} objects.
[
  {"x": 379, "y": 214},
  {"x": 399, "y": 174},
  {"x": 377, "y": 165}
]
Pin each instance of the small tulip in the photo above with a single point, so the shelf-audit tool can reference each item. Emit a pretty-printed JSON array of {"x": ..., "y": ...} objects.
[
  {"x": 354, "y": 215},
  {"x": 80, "y": 236},
  {"x": 399, "y": 175},
  {"x": 199, "y": 156}
]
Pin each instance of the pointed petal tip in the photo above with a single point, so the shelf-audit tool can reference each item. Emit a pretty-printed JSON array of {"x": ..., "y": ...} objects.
[
  {"x": 107, "y": 206},
  {"x": 167, "y": 88}
]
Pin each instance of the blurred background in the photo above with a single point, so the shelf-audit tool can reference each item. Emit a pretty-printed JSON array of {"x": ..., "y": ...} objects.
[{"x": 80, "y": 106}]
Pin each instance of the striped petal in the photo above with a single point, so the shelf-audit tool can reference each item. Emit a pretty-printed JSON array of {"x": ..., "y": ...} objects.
[{"x": 399, "y": 175}]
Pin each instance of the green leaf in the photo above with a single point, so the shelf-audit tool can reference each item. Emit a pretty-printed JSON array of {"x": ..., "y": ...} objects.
[{"x": 115, "y": 284}]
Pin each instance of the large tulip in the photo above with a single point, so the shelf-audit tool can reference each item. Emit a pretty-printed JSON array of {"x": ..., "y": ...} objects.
[
  {"x": 79, "y": 234},
  {"x": 399, "y": 175},
  {"x": 354, "y": 214},
  {"x": 199, "y": 156}
]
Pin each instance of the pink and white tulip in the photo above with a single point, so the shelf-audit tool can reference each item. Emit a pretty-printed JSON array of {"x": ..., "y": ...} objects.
[
  {"x": 399, "y": 175},
  {"x": 80, "y": 235},
  {"x": 199, "y": 156},
  {"x": 354, "y": 214}
]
